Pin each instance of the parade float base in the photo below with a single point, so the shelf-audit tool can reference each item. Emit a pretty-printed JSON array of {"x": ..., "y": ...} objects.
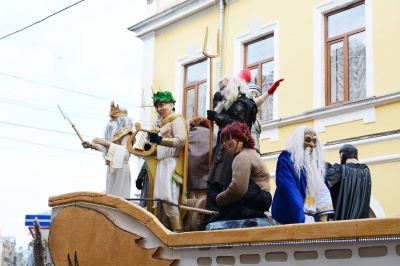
[{"x": 91, "y": 228}]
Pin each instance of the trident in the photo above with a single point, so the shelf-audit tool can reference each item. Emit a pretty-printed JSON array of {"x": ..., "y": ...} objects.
[{"x": 210, "y": 56}]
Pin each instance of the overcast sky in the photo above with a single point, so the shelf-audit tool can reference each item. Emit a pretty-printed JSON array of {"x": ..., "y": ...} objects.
[{"x": 81, "y": 59}]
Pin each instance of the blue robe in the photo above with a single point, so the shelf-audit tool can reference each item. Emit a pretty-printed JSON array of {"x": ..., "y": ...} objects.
[{"x": 288, "y": 202}]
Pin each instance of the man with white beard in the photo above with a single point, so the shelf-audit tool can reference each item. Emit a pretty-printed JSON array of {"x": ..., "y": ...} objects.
[
  {"x": 116, "y": 134},
  {"x": 302, "y": 194}
]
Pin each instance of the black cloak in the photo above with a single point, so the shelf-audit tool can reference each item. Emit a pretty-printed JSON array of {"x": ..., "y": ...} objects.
[{"x": 351, "y": 193}]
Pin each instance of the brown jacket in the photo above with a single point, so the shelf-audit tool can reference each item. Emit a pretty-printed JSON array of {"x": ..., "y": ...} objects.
[{"x": 246, "y": 165}]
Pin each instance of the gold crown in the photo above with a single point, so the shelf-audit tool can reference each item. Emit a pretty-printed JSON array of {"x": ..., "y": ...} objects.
[{"x": 115, "y": 111}]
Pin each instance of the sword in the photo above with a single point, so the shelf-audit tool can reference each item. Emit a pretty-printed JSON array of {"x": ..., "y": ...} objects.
[{"x": 72, "y": 124}]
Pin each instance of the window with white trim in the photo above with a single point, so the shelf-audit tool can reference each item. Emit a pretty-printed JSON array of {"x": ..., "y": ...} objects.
[
  {"x": 345, "y": 46},
  {"x": 259, "y": 58},
  {"x": 195, "y": 89}
]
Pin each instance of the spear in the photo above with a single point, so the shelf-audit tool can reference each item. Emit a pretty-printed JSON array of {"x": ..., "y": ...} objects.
[{"x": 72, "y": 124}]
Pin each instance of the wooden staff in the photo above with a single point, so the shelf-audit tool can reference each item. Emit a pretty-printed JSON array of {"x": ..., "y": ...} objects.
[
  {"x": 183, "y": 207},
  {"x": 210, "y": 56},
  {"x": 199, "y": 210}
]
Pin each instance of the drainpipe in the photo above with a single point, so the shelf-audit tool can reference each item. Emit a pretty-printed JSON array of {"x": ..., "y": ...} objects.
[{"x": 221, "y": 35}]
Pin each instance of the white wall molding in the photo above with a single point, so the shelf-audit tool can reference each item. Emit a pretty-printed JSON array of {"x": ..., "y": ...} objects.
[
  {"x": 333, "y": 114},
  {"x": 370, "y": 161}
]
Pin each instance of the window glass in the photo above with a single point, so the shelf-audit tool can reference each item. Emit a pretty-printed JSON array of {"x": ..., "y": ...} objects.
[
  {"x": 196, "y": 72},
  {"x": 189, "y": 103},
  {"x": 260, "y": 50},
  {"x": 201, "y": 102},
  {"x": 336, "y": 73},
  {"x": 254, "y": 75},
  {"x": 346, "y": 21},
  {"x": 357, "y": 65},
  {"x": 267, "y": 81}
]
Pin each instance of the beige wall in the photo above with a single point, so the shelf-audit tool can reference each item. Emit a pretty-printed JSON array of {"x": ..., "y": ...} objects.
[{"x": 296, "y": 65}]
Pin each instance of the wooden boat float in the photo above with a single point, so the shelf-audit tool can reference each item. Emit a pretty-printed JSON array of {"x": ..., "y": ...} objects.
[{"x": 91, "y": 228}]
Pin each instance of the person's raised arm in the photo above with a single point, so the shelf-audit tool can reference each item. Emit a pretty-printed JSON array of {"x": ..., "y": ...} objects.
[{"x": 260, "y": 100}]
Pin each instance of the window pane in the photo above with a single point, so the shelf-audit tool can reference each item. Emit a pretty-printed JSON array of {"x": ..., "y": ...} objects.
[
  {"x": 357, "y": 65},
  {"x": 254, "y": 75},
  {"x": 346, "y": 21},
  {"x": 260, "y": 50},
  {"x": 189, "y": 103},
  {"x": 336, "y": 74},
  {"x": 196, "y": 72},
  {"x": 267, "y": 81},
  {"x": 201, "y": 102}
]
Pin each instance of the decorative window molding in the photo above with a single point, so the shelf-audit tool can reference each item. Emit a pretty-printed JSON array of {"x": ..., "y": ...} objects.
[
  {"x": 180, "y": 72},
  {"x": 319, "y": 52}
]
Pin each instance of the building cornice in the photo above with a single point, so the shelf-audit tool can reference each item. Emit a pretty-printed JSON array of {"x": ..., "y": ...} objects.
[{"x": 179, "y": 14}]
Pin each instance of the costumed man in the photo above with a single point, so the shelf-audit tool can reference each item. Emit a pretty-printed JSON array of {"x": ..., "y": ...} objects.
[
  {"x": 198, "y": 161},
  {"x": 247, "y": 191},
  {"x": 350, "y": 184},
  {"x": 198, "y": 168},
  {"x": 302, "y": 194},
  {"x": 116, "y": 134},
  {"x": 230, "y": 105},
  {"x": 171, "y": 171},
  {"x": 254, "y": 92}
]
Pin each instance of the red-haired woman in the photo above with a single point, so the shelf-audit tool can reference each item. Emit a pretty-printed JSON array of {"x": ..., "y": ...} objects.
[{"x": 247, "y": 190}]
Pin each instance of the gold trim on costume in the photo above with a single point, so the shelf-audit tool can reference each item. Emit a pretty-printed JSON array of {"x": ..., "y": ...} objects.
[
  {"x": 167, "y": 142},
  {"x": 176, "y": 223},
  {"x": 124, "y": 131}
]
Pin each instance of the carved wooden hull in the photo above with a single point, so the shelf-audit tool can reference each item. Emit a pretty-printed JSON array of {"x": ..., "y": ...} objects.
[{"x": 100, "y": 229}]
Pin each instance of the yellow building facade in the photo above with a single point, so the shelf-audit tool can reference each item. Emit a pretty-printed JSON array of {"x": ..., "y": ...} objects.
[{"x": 338, "y": 59}]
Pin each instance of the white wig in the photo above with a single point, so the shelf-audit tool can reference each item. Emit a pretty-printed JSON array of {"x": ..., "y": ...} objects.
[
  {"x": 295, "y": 146},
  {"x": 234, "y": 86}
]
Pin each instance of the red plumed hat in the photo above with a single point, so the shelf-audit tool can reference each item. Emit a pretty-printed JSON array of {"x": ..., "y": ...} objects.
[{"x": 245, "y": 74}]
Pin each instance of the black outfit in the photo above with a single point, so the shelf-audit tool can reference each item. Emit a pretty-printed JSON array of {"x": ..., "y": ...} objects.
[
  {"x": 142, "y": 184},
  {"x": 351, "y": 193},
  {"x": 243, "y": 110},
  {"x": 252, "y": 205}
]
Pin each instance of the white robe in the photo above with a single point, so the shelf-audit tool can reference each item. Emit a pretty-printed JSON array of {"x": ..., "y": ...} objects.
[
  {"x": 320, "y": 204},
  {"x": 165, "y": 188},
  {"x": 118, "y": 172}
]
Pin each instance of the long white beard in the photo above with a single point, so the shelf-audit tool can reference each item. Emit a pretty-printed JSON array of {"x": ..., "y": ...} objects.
[
  {"x": 111, "y": 130},
  {"x": 313, "y": 174}
]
